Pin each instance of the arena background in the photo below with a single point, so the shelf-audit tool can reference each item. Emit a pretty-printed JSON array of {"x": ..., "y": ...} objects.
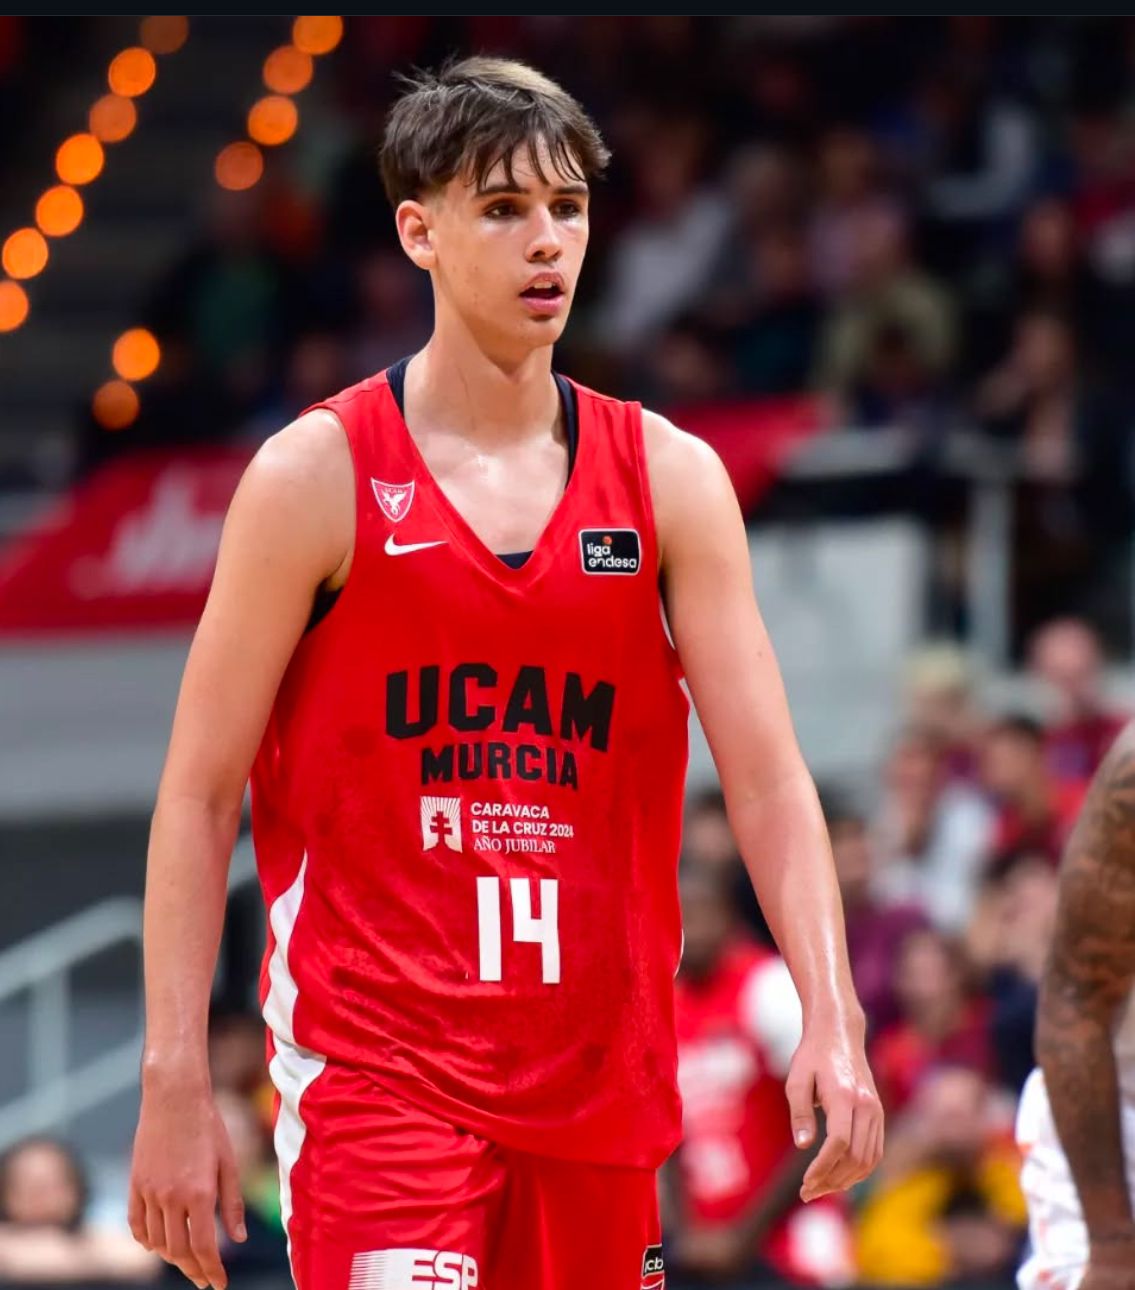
[{"x": 886, "y": 266}]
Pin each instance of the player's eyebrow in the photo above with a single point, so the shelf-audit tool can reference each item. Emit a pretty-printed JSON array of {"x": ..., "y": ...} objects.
[{"x": 504, "y": 188}]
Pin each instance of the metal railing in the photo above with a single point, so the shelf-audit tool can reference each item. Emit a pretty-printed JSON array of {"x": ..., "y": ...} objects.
[
  {"x": 40, "y": 968},
  {"x": 991, "y": 470}
]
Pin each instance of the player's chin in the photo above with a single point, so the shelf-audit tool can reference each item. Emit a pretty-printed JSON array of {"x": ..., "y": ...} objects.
[{"x": 547, "y": 329}]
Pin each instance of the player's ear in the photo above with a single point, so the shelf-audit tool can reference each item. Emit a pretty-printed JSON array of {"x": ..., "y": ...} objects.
[{"x": 412, "y": 220}]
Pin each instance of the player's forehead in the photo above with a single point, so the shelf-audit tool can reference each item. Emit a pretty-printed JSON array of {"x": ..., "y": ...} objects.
[{"x": 531, "y": 165}]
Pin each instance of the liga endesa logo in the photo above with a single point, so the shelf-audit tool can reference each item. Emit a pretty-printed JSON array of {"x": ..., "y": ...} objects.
[
  {"x": 653, "y": 1269},
  {"x": 610, "y": 550}
]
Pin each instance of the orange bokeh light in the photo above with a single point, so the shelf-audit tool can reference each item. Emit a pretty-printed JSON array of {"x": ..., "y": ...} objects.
[
  {"x": 115, "y": 405},
  {"x": 13, "y": 305},
  {"x": 79, "y": 159},
  {"x": 132, "y": 72},
  {"x": 136, "y": 354},
  {"x": 288, "y": 70},
  {"x": 59, "y": 211},
  {"x": 317, "y": 35},
  {"x": 24, "y": 253},
  {"x": 163, "y": 33},
  {"x": 272, "y": 120},
  {"x": 238, "y": 166},
  {"x": 112, "y": 118}
]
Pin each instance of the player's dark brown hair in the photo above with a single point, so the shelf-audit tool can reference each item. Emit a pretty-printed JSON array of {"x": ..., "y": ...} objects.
[{"x": 471, "y": 114}]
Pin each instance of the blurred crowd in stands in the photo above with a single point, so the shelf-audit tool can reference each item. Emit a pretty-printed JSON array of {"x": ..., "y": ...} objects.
[
  {"x": 948, "y": 871},
  {"x": 929, "y": 224}
]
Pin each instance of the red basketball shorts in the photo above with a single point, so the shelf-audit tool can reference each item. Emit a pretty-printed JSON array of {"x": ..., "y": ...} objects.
[{"x": 380, "y": 1195}]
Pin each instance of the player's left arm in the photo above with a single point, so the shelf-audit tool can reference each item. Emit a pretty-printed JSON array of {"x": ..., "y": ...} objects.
[
  {"x": 773, "y": 807},
  {"x": 1087, "y": 982}
]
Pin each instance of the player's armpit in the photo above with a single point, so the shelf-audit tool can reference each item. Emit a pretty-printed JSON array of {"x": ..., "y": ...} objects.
[{"x": 1088, "y": 979}]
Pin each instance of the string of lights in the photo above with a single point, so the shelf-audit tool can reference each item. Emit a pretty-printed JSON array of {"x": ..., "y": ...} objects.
[
  {"x": 272, "y": 120},
  {"x": 79, "y": 160}
]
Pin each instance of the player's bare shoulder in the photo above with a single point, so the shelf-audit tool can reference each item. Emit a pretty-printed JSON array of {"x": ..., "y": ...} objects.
[
  {"x": 690, "y": 488},
  {"x": 299, "y": 492},
  {"x": 308, "y": 460}
]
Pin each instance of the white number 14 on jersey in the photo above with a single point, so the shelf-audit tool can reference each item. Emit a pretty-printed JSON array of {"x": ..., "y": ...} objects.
[{"x": 543, "y": 931}]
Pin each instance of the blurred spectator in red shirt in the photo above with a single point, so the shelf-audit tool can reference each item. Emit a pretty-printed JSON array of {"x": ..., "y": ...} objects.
[
  {"x": 875, "y": 930},
  {"x": 1066, "y": 657},
  {"x": 940, "y": 1021},
  {"x": 1036, "y": 811},
  {"x": 1102, "y": 148},
  {"x": 932, "y": 834},
  {"x": 738, "y": 1174}
]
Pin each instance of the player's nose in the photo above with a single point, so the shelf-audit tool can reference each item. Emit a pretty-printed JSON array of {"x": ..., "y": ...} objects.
[{"x": 544, "y": 238}]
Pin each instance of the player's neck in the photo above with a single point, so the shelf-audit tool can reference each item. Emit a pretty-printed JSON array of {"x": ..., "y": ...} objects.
[{"x": 453, "y": 385}]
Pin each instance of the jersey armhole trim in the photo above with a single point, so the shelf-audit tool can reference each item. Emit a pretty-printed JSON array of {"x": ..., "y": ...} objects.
[
  {"x": 643, "y": 469},
  {"x": 325, "y": 602}
]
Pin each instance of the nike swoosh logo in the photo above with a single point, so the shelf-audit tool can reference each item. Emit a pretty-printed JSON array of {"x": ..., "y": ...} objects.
[{"x": 392, "y": 547}]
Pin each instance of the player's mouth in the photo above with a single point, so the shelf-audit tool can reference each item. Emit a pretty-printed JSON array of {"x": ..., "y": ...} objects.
[{"x": 545, "y": 294}]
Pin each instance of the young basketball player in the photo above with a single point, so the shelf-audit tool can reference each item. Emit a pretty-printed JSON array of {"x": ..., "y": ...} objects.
[{"x": 436, "y": 639}]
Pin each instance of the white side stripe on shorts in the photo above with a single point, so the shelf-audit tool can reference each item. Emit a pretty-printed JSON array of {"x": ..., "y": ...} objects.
[{"x": 292, "y": 1069}]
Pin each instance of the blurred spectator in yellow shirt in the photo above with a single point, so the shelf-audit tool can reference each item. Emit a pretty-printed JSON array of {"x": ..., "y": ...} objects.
[{"x": 946, "y": 1205}]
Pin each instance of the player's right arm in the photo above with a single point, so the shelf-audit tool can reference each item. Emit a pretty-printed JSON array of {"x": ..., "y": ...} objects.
[
  {"x": 1087, "y": 982},
  {"x": 289, "y": 529}
]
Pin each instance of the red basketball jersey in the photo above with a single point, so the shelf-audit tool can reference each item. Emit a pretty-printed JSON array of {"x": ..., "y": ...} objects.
[{"x": 467, "y": 807}]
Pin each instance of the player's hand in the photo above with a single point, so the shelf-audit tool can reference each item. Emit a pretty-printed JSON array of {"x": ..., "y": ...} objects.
[
  {"x": 830, "y": 1070},
  {"x": 183, "y": 1166},
  {"x": 1111, "y": 1266}
]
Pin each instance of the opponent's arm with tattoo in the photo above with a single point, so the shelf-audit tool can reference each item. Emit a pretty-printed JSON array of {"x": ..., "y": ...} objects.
[{"x": 1086, "y": 984}]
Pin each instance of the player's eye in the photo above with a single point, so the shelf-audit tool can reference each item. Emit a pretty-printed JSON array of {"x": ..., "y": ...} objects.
[
  {"x": 568, "y": 209},
  {"x": 501, "y": 210}
]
